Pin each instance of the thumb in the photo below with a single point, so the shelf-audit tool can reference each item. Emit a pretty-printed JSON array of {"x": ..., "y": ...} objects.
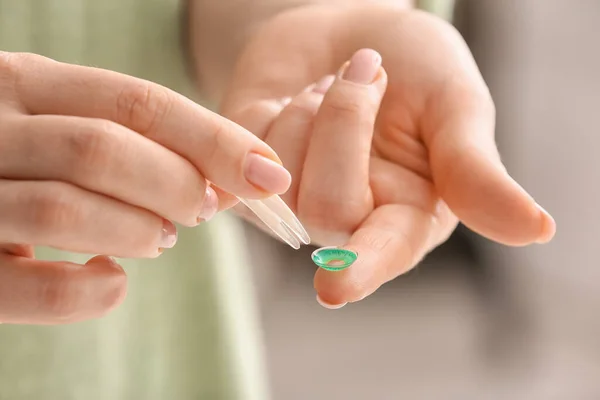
[{"x": 469, "y": 175}]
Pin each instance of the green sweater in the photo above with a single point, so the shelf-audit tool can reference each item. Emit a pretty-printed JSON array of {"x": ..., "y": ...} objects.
[{"x": 188, "y": 328}]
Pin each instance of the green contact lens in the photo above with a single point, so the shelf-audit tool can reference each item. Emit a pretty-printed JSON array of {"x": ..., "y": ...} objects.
[{"x": 334, "y": 258}]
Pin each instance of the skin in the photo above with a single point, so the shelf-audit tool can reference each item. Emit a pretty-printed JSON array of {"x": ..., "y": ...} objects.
[
  {"x": 108, "y": 142},
  {"x": 386, "y": 169}
]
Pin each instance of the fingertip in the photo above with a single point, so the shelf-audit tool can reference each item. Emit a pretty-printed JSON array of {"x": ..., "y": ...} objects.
[
  {"x": 362, "y": 68},
  {"x": 328, "y": 305},
  {"x": 337, "y": 288},
  {"x": 226, "y": 200},
  {"x": 548, "y": 226},
  {"x": 102, "y": 261},
  {"x": 210, "y": 205},
  {"x": 111, "y": 282},
  {"x": 267, "y": 174}
]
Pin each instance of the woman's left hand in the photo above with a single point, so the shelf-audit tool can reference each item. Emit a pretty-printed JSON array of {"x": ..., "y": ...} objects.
[{"x": 386, "y": 169}]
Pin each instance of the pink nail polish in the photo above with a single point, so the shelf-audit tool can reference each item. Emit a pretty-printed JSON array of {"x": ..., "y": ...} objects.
[
  {"x": 169, "y": 235},
  {"x": 285, "y": 101},
  {"x": 548, "y": 226},
  {"x": 210, "y": 206},
  {"x": 325, "y": 304},
  {"x": 266, "y": 174},
  {"x": 363, "y": 67}
]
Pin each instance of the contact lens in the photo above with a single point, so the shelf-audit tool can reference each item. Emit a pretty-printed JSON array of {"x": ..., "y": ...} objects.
[{"x": 334, "y": 258}]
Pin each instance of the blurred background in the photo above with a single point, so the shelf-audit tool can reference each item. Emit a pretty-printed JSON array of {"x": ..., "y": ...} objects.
[{"x": 474, "y": 320}]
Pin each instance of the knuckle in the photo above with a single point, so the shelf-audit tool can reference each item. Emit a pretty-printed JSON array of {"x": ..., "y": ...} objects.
[
  {"x": 13, "y": 64},
  {"x": 359, "y": 112},
  {"x": 216, "y": 143},
  {"x": 345, "y": 107},
  {"x": 51, "y": 210},
  {"x": 14, "y": 68},
  {"x": 143, "y": 106},
  {"x": 9, "y": 62},
  {"x": 91, "y": 147},
  {"x": 10, "y": 65}
]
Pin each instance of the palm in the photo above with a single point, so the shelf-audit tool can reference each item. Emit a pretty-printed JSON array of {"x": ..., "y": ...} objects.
[{"x": 433, "y": 140}]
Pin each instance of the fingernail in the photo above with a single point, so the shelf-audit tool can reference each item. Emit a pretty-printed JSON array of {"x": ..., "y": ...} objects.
[
  {"x": 210, "y": 206},
  {"x": 310, "y": 87},
  {"x": 169, "y": 236},
  {"x": 325, "y": 304},
  {"x": 363, "y": 67},
  {"x": 548, "y": 226},
  {"x": 266, "y": 174},
  {"x": 323, "y": 84},
  {"x": 285, "y": 101}
]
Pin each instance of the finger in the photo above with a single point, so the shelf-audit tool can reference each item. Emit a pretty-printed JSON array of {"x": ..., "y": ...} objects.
[
  {"x": 40, "y": 292},
  {"x": 107, "y": 158},
  {"x": 257, "y": 117},
  {"x": 392, "y": 240},
  {"x": 469, "y": 174},
  {"x": 335, "y": 180},
  {"x": 394, "y": 184},
  {"x": 225, "y": 153},
  {"x": 21, "y": 250},
  {"x": 60, "y": 215},
  {"x": 289, "y": 135}
]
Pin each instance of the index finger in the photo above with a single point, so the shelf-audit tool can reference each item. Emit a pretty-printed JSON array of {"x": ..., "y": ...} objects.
[
  {"x": 391, "y": 241},
  {"x": 336, "y": 170},
  {"x": 225, "y": 153}
]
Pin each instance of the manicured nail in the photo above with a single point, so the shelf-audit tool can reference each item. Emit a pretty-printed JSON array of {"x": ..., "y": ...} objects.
[
  {"x": 325, "y": 304},
  {"x": 210, "y": 205},
  {"x": 266, "y": 174},
  {"x": 548, "y": 226},
  {"x": 284, "y": 101},
  {"x": 363, "y": 67},
  {"x": 310, "y": 87},
  {"x": 323, "y": 84},
  {"x": 169, "y": 236}
]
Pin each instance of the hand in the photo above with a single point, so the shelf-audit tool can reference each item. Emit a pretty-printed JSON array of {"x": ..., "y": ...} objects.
[
  {"x": 93, "y": 161},
  {"x": 391, "y": 188}
]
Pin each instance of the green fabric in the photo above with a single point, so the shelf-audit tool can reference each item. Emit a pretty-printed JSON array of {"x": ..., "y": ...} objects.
[
  {"x": 442, "y": 8},
  {"x": 188, "y": 328}
]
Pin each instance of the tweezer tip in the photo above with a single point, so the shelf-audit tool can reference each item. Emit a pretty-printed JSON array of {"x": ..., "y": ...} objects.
[
  {"x": 292, "y": 238},
  {"x": 297, "y": 230}
]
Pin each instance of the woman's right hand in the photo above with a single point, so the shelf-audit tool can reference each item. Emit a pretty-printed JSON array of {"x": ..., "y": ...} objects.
[{"x": 93, "y": 161}]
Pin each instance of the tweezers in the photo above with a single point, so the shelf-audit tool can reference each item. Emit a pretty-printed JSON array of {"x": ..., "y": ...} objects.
[{"x": 278, "y": 217}]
